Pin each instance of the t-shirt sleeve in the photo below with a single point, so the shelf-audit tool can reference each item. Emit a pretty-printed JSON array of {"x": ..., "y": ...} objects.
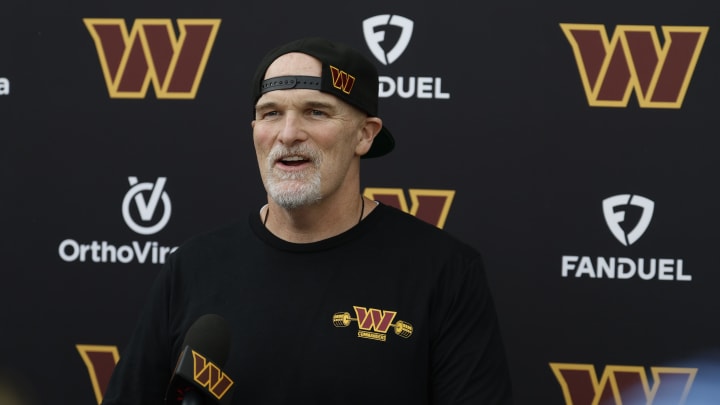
[
  {"x": 145, "y": 366},
  {"x": 467, "y": 353}
]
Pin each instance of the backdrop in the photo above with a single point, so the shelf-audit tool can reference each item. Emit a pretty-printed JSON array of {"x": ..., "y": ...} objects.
[{"x": 570, "y": 142}]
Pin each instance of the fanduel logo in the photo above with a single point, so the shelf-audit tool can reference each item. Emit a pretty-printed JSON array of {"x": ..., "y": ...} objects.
[
  {"x": 374, "y": 37},
  {"x": 404, "y": 86},
  {"x": 151, "y": 53},
  {"x": 146, "y": 198},
  {"x": 4, "y": 86},
  {"x": 615, "y": 210},
  {"x": 614, "y": 218},
  {"x": 634, "y": 60}
]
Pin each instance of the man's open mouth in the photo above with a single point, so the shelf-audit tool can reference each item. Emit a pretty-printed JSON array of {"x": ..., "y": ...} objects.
[{"x": 294, "y": 160}]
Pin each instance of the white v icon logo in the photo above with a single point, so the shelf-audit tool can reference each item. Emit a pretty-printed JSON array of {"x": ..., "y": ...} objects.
[{"x": 147, "y": 209}]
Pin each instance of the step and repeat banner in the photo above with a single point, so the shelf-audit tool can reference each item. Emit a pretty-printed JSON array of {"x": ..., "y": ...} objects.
[{"x": 575, "y": 145}]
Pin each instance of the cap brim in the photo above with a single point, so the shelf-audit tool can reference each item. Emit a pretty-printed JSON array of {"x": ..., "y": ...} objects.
[{"x": 382, "y": 144}]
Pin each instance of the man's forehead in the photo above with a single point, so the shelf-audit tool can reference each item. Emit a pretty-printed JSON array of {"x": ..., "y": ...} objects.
[{"x": 294, "y": 64}]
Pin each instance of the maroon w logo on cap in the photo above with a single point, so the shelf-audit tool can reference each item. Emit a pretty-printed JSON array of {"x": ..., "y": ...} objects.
[{"x": 342, "y": 80}]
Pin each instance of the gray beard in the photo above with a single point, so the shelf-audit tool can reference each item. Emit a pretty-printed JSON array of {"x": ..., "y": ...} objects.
[{"x": 293, "y": 190}]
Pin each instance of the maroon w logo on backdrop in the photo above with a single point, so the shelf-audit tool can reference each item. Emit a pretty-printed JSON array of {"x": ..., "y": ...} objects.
[
  {"x": 634, "y": 60},
  {"x": 151, "y": 53},
  {"x": 623, "y": 384}
]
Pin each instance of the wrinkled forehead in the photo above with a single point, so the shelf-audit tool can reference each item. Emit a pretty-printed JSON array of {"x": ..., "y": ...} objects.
[{"x": 294, "y": 64}]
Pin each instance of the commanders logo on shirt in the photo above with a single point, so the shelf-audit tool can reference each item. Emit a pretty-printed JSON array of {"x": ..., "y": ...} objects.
[{"x": 373, "y": 323}]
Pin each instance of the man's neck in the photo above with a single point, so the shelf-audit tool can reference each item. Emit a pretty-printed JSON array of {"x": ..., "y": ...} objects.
[{"x": 315, "y": 222}]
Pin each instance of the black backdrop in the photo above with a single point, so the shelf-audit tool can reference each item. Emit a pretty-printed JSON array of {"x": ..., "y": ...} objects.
[{"x": 501, "y": 127}]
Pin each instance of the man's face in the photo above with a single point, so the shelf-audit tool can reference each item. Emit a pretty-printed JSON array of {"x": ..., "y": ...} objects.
[{"x": 308, "y": 143}]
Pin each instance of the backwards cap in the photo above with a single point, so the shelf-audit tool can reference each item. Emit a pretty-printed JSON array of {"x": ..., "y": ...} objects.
[{"x": 346, "y": 74}]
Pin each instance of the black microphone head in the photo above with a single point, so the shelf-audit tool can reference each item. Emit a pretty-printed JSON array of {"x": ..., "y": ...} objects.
[
  {"x": 210, "y": 335},
  {"x": 198, "y": 376}
]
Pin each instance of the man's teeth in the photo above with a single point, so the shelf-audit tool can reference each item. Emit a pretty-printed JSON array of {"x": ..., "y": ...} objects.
[{"x": 293, "y": 159}]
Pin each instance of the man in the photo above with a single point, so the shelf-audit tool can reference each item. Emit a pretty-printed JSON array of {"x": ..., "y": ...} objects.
[{"x": 330, "y": 298}]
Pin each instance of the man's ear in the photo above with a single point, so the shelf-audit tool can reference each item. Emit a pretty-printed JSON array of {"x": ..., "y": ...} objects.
[{"x": 368, "y": 132}]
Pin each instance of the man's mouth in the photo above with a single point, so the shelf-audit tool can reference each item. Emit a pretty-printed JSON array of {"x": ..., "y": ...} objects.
[{"x": 294, "y": 160}]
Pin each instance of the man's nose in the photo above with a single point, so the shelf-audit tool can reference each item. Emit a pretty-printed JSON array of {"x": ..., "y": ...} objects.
[{"x": 292, "y": 130}]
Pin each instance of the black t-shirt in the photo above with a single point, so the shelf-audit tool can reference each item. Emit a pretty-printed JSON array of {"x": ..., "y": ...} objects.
[{"x": 393, "y": 311}]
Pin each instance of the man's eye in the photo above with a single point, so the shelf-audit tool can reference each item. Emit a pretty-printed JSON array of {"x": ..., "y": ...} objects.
[{"x": 317, "y": 112}]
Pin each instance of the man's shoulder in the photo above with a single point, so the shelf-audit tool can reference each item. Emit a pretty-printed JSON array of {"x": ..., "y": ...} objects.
[
  {"x": 226, "y": 237},
  {"x": 402, "y": 226},
  {"x": 226, "y": 232}
]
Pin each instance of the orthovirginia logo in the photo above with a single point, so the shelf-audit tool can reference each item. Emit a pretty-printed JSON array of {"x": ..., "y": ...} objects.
[
  {"x": 146, "y": 208},
  {"x": 373, "y": 323},
  {"x": 614, "y": 218},
  {"x": 151, "y": 52},
  {"x": 403, "y": 86},
  {"x": 615, "y": 210},
  {"x": 4, "y": 86},
  {"x": 620, "y": 385},
  {"x": 634, "y": 60},
  {"x": 146, "y": 198}
]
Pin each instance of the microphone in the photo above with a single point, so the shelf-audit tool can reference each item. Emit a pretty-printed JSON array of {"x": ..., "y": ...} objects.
[{"x": 198, "y": 377}]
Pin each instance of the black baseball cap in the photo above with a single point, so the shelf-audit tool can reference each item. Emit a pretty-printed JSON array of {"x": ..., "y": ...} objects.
[{"x": 346, "y": 74}]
